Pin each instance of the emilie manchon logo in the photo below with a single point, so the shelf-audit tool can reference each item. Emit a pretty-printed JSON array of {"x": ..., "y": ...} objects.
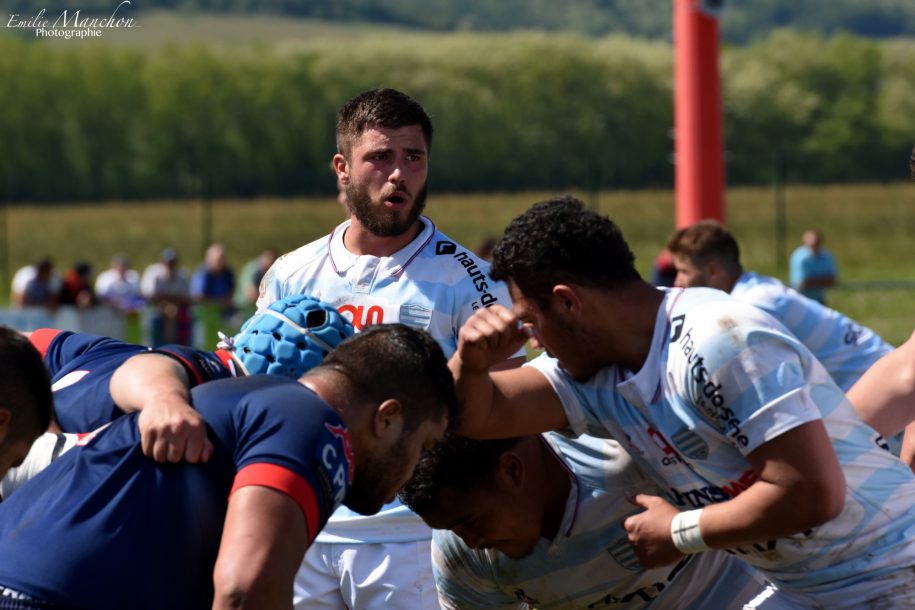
[{"x": 70, "y": 24}]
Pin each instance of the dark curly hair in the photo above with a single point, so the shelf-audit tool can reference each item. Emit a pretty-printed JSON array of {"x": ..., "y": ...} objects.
[
  {"x": 386, "y": 108},
  {"x": 456, "y": 463},
  {"x": 560, "y": 241}
]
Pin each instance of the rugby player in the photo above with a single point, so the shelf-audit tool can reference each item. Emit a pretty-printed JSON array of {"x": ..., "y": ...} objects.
[
  {"x": 27, "y": 406},
  {"x": 712, "y": 396},
  {"x": 386, "y": 263},
  {"x": 96, "y": 379},
  {"x": 105, "y": 527},
  {"x": 537, "y": 522}
]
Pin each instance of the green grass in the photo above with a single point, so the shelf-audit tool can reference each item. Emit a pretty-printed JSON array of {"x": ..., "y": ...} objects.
[{"x": 868, "y": 227}]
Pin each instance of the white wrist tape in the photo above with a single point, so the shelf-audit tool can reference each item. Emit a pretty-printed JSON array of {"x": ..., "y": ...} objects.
[{"x": 684, "y": 531}]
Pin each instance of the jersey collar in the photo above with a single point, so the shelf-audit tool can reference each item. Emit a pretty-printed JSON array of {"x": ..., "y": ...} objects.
[{"x": 342, "y": 259}]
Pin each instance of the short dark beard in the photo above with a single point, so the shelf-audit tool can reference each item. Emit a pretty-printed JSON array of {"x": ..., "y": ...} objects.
[
  {"x": 372, "y": 480},
  {"x": 378, "y": 221}
]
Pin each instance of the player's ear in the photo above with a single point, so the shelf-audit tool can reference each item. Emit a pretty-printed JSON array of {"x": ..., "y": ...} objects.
[
  {"x": 387, "y": 421},
  {"x": 511, "y": 470},
  {"x": 341, "y": 168},
  {"x": 567, "y": 298}
]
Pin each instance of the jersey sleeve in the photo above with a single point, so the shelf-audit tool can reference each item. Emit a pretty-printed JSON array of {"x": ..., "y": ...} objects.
[
  {"x": 463, "y": 580},
  {"x": 201, "y": 366},
  {"x": 290, "y": 441},
  {"x": 582, "y": 417},
  {"x": 60, "y": 347},
  {"x": 271, "y": 286},
  {"x": 742, "y": 374}
]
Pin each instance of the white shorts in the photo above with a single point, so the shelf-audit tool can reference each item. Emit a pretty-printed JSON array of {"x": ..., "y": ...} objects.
[
  {"x": 893, "y": 591},
  {"x": 392, "y": 575}
]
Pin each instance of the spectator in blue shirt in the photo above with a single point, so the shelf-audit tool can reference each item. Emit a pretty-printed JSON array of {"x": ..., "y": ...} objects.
[{"x": 813, "y": 268}]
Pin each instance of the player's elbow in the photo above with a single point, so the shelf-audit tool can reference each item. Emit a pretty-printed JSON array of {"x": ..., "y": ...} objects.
[
  {"x": 822, "y": 502},
  {"x": 232, "y": 587}
]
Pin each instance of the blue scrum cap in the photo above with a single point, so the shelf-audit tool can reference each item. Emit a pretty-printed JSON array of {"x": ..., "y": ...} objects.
[{"x": 289, "y": 337}]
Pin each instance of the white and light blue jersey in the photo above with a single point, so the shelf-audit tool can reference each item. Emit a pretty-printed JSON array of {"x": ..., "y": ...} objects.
[
  {"x": 845, "y": 348},
  {"x": 590, "y": 563},
  {"x": 721, "y": 379},
  {"x": 433, "y": 284}
]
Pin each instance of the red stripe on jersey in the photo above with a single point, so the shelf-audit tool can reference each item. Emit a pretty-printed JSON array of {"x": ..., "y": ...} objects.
[
  {"x": 42, "y": 338},
  {"x": 284, "y": 481},
  {"x": 227, "y": 361},
  {"x": 188, "y": 365}
]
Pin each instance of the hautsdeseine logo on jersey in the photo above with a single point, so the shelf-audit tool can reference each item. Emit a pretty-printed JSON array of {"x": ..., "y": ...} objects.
[
  {"x": 445, "y": 247},
  {"x": 480, "y": 281}
]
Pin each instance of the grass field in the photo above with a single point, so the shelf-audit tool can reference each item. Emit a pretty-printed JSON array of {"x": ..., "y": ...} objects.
[{"x": 868, "y": 227}]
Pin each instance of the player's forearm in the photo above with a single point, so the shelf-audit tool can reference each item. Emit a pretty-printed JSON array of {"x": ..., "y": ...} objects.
[
  {"x": 475, "y": 392},
  {"x": 766, "y": 512},
  {"x": 148, "y": 379},
  {"x": 884, "y": 396}
]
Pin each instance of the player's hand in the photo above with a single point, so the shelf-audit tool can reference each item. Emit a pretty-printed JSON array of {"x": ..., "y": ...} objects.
[
  {"x": 489, "y": 336},
  {"x": 649, "y": 532},
  {"x": 171, "y": 431}
]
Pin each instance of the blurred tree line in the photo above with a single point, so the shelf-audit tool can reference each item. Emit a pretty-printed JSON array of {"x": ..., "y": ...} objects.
[
  {"x": 516, "y": 112},
  {"x": 743, "y": 20}
]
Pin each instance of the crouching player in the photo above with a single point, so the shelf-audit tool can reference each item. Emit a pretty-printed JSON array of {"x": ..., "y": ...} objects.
[
  {"x": 537, "y": 522},
  {"x": 230, "y": 532},
  {"x": 96, "y": 379}
]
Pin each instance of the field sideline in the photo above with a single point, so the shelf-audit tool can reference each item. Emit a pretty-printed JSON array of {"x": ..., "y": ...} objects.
[{"x": 868, "y": 227}]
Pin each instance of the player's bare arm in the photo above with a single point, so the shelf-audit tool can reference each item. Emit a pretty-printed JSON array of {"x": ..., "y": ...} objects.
[
  {"x": 884, "y": 396},
  {"x": 263, "y": 542},
  {"x": 171, "y": 430},
  {"x": 800, "y": 486},
  {"x": 505, "y": 403}
]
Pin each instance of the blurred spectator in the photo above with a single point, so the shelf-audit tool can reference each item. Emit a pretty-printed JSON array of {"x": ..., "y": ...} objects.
[
  {"x": 77, "y": 286},
  {"x": 249, "y": 279},
  {"x": 43, "y": 288},
  {"x": 25, "y": 275},
  {"x": 167, "y": 288},
  {"x": 813, "y": 268},
  {"x": 663, "y": 272},
  {"x": 485, "y": 247},
  {"x": 214, "y": 280},
  {"x": 119, "y": 285}
]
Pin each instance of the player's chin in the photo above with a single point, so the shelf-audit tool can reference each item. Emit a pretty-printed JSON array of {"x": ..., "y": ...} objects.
[
  {"x": 364, "y": 504},
  {"x": 514, "y": 550}
]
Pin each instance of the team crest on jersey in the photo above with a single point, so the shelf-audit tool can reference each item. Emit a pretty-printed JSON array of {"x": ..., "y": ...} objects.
[
  {"x": 416, "y": 316},
  {"x": 624, "y": 554},
  {"x": 690, "y": 444},
  {"x": 342, "y": 433}
]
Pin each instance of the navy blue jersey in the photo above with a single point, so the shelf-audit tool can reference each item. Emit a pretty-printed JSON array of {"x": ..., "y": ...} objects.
[
  {"x": 81, "y": 366},
  {"x": 105, "y": 527}
]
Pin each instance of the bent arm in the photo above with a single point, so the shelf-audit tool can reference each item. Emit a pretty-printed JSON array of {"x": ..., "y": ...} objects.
[
  {"x": 157, "y": 385},
  {"x": 800, "y": 486},
  {"x": 884, "y": 396},
  {"x": 504, "y": 403},
  {"x": 263, "y": 543}
]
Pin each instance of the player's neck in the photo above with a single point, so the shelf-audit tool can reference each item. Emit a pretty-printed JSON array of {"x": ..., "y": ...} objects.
[
  {"x": 626, "y": 335},
  {"x": 557, "y": 485},
  {"x": 360, "y": 241}
]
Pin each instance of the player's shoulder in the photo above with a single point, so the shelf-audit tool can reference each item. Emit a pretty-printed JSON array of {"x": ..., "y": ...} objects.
[
  {"x": 710, "y": 317},
  {"x": 301, "y": 258}
]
